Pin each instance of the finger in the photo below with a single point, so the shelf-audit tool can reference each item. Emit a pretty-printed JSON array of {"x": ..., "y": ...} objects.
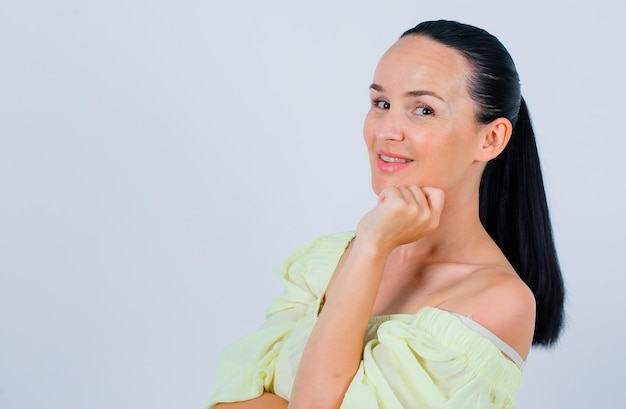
[
  {"x": 406, "y": 194},
  {"x": 436, "y": 198},
  {"x": 418, "y": 196},
  {"x": 388, "y": 193}
]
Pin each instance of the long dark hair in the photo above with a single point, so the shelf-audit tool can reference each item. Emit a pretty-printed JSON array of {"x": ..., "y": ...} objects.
[{"x": 513, "y": 206}]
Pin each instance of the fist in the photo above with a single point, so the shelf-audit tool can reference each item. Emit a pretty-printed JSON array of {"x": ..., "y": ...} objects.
[{"x": 404, "y": 214}]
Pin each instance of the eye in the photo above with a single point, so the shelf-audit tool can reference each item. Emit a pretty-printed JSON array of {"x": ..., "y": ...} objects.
[
  {"x": 381, "y": 104},
  {"x": 423, "y": 110}
]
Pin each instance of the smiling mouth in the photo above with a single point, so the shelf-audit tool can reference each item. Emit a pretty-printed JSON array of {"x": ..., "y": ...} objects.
[{"x": 391, "y": 159}]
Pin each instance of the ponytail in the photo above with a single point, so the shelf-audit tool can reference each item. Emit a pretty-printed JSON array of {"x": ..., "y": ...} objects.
[{"x": 514, "y": 211}]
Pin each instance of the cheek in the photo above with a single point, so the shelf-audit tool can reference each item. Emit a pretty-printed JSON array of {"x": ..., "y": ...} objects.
[
  {"x": 455, "y": 161},
  {"x": 451, "y": 161},
  {"x": 369, "y": 134},
  {"x": 443, "y": 155}
]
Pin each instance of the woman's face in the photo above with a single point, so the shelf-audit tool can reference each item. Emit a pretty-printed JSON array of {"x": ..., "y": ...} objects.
[{"x": 421, "y": 128}]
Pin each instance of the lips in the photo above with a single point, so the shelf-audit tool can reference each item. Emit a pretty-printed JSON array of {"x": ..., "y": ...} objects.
[
  {"x": 388, "y": 162},
  {"x": 393, "y": 159}
]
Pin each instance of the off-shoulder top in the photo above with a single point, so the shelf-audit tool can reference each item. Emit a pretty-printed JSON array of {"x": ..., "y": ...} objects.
[{"x": 430, "y": 359}]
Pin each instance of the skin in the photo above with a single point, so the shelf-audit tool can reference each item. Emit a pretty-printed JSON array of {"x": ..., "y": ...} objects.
[{"x": 423, "y": 244}]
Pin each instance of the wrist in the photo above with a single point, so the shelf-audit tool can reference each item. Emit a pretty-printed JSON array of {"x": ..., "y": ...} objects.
[{"x": 371, "y": 246}]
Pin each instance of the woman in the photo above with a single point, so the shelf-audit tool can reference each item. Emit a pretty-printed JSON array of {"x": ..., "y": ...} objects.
[{"x": 437, "y": 298}]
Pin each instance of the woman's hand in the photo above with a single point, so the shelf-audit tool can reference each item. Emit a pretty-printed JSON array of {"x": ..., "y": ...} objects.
[{"x": 404, "y": 214}]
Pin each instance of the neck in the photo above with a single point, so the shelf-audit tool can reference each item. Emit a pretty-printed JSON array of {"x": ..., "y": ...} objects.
[{"x": 458, "y": 231}]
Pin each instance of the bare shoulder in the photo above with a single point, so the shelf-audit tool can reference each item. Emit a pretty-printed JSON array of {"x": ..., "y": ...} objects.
[{"x": 500, "y": 301}]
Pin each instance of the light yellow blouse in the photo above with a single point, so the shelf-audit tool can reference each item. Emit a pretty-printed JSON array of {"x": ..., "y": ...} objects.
[{"x": 429, "y": 359}]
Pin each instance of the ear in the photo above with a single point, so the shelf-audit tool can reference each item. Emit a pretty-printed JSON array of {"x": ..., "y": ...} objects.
[{"x": 494, "y": 138}]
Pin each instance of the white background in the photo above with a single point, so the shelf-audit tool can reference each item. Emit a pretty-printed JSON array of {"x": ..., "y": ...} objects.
[{"x": 159, "y": 159}]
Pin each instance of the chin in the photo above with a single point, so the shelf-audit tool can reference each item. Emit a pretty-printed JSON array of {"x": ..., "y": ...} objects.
[{"x": 379, "y": 185}]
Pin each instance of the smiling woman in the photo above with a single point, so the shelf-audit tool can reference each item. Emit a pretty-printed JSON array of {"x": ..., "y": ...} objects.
[
  {"x": 436, "y": 298},
  {"x": 422, "y": 111}
]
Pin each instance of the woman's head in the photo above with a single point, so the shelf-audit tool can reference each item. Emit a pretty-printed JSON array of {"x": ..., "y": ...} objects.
[{"x": 429, "y": 123}]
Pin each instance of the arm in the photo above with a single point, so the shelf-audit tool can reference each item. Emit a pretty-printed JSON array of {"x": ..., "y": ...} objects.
[
  {"x": 333, "y": 351},
  {"x": 246, "y": 368},
  {"x": 265, "y": 401}
]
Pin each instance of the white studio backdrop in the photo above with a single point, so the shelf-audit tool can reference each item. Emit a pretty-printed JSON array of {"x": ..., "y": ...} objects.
[{"x": 159, "y": 159}]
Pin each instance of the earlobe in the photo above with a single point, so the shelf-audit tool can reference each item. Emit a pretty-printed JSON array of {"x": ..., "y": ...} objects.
[{"x": 496, "y": 136}]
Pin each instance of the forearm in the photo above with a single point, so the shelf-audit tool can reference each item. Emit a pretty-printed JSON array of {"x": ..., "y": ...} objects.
[
  {"x": 265, "y": 401},
  {"x": 333, "y": 351}
]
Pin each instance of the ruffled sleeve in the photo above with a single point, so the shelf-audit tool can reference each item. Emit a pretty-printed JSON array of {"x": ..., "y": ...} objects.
[
  {"x": 431, "y": 360},
  {"x": 247, "y": 367}
]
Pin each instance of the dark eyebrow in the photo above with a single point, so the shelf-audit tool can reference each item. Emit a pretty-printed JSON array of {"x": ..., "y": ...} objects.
[
  {"x": 377, "y": 87},
  {"x": 419, "y": 93}
]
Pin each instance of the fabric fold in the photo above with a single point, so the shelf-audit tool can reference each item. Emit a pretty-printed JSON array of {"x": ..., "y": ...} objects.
[{"x": 432, "y": 360}]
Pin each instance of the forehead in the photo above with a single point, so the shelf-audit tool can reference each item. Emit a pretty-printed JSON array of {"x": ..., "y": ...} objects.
[{"x": 418, "y": 61}]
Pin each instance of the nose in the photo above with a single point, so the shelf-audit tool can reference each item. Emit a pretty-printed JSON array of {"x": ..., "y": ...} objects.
[{"x": 390, "y": 127}]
